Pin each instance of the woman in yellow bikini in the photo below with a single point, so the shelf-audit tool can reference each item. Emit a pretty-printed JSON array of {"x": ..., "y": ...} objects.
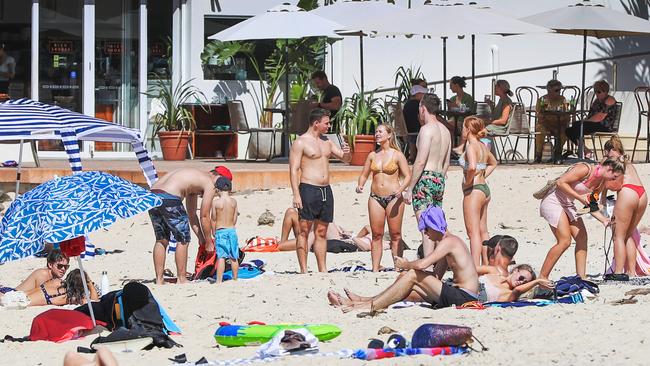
[
  {"x": 387, "y": 165},
  {"x": 477, "y": 163}
]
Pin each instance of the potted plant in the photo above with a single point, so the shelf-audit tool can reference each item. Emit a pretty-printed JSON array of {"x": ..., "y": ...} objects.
[
  {"x": 358, "y": 117},
  {"x": 175, "y": 122}
]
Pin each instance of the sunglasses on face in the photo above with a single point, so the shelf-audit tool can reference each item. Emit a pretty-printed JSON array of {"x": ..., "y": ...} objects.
[
  {"x": 521, "y": 278},
  {"x": 60, "y": 266}
]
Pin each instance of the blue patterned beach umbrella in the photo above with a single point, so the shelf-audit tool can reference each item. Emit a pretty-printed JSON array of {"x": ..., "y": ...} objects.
[{"x": 67, "y": 207}]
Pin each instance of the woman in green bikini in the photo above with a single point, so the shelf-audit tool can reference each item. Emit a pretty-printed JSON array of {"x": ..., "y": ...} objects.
[
  {"x": 385, "y": 203},
  {"x": 477, "y": 163}
]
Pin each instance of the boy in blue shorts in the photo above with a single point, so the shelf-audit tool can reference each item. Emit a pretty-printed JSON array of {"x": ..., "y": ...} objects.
[{"x": 224, "y": 218}]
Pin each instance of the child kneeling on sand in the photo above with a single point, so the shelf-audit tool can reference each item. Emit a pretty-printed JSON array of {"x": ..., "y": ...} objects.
[{"x": 224, "y": 218}]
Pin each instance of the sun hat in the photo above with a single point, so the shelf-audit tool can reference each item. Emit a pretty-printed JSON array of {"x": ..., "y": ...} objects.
[
  {"x": 415, "y": 89},
  {"x": 223, "y": 171},
  {"x": 433, "y": 218}
]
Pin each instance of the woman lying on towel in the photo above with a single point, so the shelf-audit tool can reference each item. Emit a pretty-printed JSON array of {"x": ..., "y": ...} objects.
[
  {"x": 334, "y": 233},
  {"x": 58, "y": 292},
  {"x": 418, "y": 285}
]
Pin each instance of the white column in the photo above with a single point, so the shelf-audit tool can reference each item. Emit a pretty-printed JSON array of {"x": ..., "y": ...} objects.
[
  {"x": 185, "y": 40},
  {"x": 35, "y": 28},
  {"x": 142, "y": 70},
  {"x": 176, "y": 43},
  {"x": 88, "y": 73}
]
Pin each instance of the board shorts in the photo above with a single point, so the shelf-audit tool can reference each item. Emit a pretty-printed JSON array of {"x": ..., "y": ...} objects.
[
  {"x": 317, "y": 203},
  {"x": 170, "y": 218},
  {"x": 453, "y": 296},
  {"x": 429, "y": 190},
  {"x": 227, "y": 243}
]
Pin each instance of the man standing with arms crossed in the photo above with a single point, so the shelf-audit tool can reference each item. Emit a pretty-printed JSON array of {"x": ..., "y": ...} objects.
[
  {"x": 427, "y": 185},
  {"x": 312, "y": 194},
  {"x": 172, "y": 217}
]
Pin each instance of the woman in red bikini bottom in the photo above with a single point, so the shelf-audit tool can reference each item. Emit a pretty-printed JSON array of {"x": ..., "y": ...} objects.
[{"x": 631, "y": 202}]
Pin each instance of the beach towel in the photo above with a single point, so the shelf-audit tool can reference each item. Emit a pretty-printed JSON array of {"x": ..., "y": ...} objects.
[
  {"x": 634, "y": 281},
  {"x": 378, "y": 354},
  {"x": 642, "y": 260},
  {"x": 344, "y": 353},
  {"x": 575, "y": 298},
  {"x": 572, "y": 284},
  {"x": 245, "y": 273},
  {"x": 261, "y": 244},
  {"x": 60, "y": 325},
  {"x": 358, "y": 268}
]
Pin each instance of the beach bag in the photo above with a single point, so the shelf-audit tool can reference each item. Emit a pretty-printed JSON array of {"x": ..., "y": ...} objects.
[
  {"x": 518, "y": 120},
  {"x": 60, "y": 325},
  {"x": 440, "y": 335},
  {"x": 552, "y": 184},
  {"x": 205, "y": 265},
  {"x": 261, "y": 244}
]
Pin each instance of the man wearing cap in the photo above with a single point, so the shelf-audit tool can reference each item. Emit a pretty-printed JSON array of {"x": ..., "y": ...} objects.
[
  {"x": 427, "y": 185},
  {"x": 411, "y": 112},
  {"x": 310, "y": 178},
  {"x": 465, "y": 287},
  {"x": 501, "y": 251},
  {"x": 172, "y": 218}
]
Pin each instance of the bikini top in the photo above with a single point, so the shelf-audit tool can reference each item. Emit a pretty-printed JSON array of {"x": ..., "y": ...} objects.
[
  {"x": 480, "y": 166},
  {"x": 389, "y": 168},
  {"x": 48, "y": 297}
]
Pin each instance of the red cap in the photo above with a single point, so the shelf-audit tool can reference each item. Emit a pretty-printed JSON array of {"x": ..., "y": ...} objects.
[{"x": 223, "y": 171}]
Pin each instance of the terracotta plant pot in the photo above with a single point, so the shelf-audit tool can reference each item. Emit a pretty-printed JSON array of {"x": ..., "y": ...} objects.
[
  {"x": 363, "y": 146},
  {"x": 173, "y": 144}
]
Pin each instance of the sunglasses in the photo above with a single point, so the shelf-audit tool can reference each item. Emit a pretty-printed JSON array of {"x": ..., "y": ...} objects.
[
  {"x": 62, "y": 266},
  {"x": 521, "y": 278}
]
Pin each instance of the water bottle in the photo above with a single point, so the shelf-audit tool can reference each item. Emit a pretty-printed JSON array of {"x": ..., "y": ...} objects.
[{"x": 105, "y": 285}]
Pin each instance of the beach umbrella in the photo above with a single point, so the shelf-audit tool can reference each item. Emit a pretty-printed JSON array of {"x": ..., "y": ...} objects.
[
  {"x": 354, "y": 15},
  {"x": 446, "y": 20},
  {"x": 281, "y": 22},
  {"x": 587, "y": 20},
  {"x": 26, "y": 119},
  {"x": 68, "y": 207}
]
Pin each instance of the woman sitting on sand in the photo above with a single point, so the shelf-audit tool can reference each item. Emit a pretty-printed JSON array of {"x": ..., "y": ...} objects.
[
  {"x": 61, "y": 292},
  {"x": 385, "y": 202},
  {"x": 558, "y": 208},
  {"x": 631, "y": 203},
  {"x": 477, "y": 163}
]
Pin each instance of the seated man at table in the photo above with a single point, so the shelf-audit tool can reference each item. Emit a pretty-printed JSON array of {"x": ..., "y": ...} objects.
[
  {"x": 331, "y": 98},
  {"x": 411, "y": 112},
  {"x": 551, "y": 125}
]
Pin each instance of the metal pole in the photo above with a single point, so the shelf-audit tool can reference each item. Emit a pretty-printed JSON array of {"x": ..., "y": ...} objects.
[
  {"x": 86, "y": 292},
  {"x": 581, "y": 143},
  {"x": 285, "y": 115},
  {"x": 361, "y": 60},
  {"x": 473, "y": 64},
  {"x": 444, "y": 73},
  {"x": 18, "y": 169}
]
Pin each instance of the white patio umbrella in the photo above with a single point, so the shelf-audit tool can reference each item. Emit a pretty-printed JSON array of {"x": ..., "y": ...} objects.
[
  {"x": 585, "y": 19},
  {"x": 286, "y": 22},
  {"x": 353, "y": 15},
  {"x": 445, "y": 20}
]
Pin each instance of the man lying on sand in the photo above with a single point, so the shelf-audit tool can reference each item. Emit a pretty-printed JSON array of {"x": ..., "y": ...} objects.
[
  {"x": 57, "y": 265},
  {"x": 466, "y": 286}
]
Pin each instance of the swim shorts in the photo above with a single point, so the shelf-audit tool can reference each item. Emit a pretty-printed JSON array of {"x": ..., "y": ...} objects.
[
  {"x": 429, "y": 190},
  {"x": 227, "y": 243},
  {"x": 317, "y": 203},
  {"x": 453, "y": 296},
  {"x": 170, "y": 218}
]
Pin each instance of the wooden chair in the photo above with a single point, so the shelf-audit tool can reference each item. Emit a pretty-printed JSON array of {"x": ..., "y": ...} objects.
[
  {"x": 642, "y": 97},
  {"x": 618, "y": 109},
  {"x": 239, "y": 124}
]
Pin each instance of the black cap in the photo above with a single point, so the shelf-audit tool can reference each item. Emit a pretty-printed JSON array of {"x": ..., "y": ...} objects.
[{"x": 223, "y": 184}]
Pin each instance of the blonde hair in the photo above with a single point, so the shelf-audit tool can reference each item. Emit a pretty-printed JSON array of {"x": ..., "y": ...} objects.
[
  {"x": 616, "y": 164},
  {"x": 476, "y": 126},
  {"x": 393, "y": 139},
  {"x": 614, "y": 143}
]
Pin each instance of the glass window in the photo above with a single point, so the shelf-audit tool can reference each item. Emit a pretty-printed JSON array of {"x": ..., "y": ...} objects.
[
  {"x": 16, "y": 59},
  {"x": 159, "y": 38}
]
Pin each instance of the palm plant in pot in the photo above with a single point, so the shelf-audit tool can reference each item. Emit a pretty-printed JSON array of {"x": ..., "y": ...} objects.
[
  {"x": 358, "y": 118},
  {"x": 174, "y": 123}
]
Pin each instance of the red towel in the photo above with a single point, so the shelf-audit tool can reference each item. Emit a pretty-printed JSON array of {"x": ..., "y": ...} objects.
[{"x": 60, "y": 325}]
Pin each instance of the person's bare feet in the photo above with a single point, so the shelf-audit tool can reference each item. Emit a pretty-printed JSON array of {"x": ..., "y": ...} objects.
[
  {"x": 182, "y": 280},
  {"x": 335, "y": 299},
  {"x": 355, "y": 306},
  {"x": 351, "y": 295},
  {"x": 160, "y": 281}
]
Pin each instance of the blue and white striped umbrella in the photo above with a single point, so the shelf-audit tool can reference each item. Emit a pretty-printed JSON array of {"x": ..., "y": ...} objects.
[
  {"x": 25, "y": 119},
  {"x": 67, "y": 207}
]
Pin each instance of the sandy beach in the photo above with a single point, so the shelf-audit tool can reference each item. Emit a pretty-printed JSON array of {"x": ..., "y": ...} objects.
[{"x": 595, "y": 332}]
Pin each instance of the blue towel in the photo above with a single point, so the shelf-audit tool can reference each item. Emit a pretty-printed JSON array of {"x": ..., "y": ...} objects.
[
  {"x": 575, "y": 298},
  {"x": 244, "y": 273}
]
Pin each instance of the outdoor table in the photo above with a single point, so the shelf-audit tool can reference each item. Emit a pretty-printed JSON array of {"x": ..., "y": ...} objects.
[{"x": 557, "y": 115}]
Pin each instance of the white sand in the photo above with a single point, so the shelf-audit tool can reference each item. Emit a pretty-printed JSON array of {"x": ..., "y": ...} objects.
[{"x": 595, "y": 332}]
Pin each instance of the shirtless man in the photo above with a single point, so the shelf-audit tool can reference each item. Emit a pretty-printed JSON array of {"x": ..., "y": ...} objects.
[
  {"x": 172, "y": 218},
  {"x": 57, "y": 265},
  {"x": 427, "y": 184},
  {"x": 501, "y": 250},
  {"x": 312, "y": 195}
]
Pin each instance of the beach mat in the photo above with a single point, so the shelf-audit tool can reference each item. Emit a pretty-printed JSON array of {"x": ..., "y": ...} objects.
[{"x": 575, "y": 298}]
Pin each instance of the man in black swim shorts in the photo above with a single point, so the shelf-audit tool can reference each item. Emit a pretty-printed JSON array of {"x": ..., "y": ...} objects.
[{"x": 310, "y": 178}]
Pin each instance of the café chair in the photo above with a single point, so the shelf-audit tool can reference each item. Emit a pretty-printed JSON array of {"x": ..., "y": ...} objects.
[
  {"x": 618, "y": 109},
  {"x": 239, "y": 125},
  {"x": 642, "y": 97}
]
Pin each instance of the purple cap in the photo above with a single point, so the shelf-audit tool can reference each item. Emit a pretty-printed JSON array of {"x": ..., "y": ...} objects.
[{"x": 433, "y": 218}]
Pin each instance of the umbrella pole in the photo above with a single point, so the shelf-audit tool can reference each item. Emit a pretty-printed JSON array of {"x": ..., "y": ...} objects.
[
  {"x": 581, "y": 142},
  {"x": 19, "y": 168},
  {"x": 86, "y": 291},
  {"x": 285, "y": 116},
  {"x": 473, "y": 64},
  {"x": 444, "y": 73},
  {"x": 361, "y": 61}
]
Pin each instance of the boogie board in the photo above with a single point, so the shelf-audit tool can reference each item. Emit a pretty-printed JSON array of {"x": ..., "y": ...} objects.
[{"x": 253, "y": 335}]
